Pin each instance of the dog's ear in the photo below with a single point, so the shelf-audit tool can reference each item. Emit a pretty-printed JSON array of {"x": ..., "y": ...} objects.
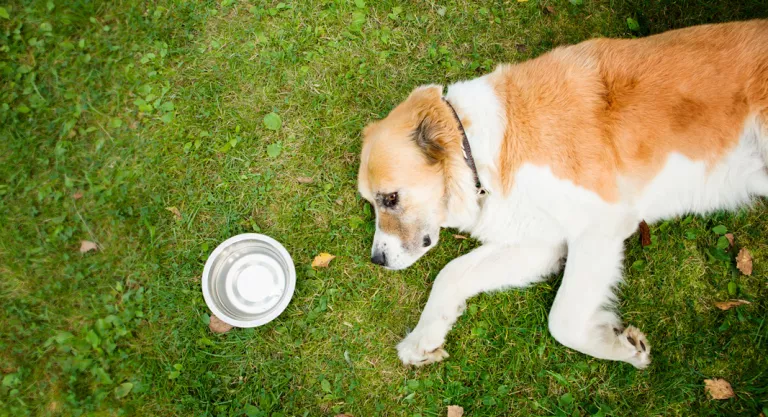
[
  {"x": 426, "y": 136},
  {"x": 434, "y": 130},
  {"x": 368, "y": 129},
  {"x": 424, "y": 97}
]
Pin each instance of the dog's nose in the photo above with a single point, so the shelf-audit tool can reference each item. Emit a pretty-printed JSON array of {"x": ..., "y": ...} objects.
[{"x": 379, "y": 258}]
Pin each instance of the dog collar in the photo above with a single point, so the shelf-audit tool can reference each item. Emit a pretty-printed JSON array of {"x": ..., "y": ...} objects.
[{"x": 467, "y": 150}]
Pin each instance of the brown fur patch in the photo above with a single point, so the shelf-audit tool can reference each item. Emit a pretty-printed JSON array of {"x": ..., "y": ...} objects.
[
  {"x": 608, "y": 108},
  {"x": 393, "y": 225},
  {"x": 685, "y": 113}
]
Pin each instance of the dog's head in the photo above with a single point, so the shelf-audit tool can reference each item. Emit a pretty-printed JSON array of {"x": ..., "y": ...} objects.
[{"x": 404, "y": 168}]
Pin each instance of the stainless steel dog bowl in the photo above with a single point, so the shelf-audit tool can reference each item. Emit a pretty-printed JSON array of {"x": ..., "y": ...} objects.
[{"x": 248, "y": 280}]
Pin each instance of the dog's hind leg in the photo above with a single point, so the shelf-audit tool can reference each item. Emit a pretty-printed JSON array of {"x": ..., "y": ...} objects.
[
  {"x": 487, "y": 268},
  {"x": 582, "y": 316}
]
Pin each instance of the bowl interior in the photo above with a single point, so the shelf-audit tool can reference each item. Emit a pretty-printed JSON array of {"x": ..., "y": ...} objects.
[{"x": 250, "y": 281}]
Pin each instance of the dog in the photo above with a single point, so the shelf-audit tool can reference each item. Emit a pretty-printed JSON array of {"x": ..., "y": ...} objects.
[{"x": 565, "y": 154}]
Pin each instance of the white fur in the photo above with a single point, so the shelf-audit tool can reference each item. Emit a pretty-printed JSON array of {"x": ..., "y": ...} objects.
[
  {"x": 685, "y": 186},
  {"x": 477, "y": 100},
  {"x": 525, "y": 232}
]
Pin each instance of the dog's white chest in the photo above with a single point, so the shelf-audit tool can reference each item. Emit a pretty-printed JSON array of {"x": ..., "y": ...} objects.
[
  {"x": 515, "y": 219},
  {"x": 542, "y": 208}
]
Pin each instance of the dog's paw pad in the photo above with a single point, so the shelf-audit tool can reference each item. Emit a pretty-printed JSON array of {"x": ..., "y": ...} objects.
[
  {"x": 637, "y": 346},
  {"x": 411, "y": 354},
  {"x": 436, "y": 355}
]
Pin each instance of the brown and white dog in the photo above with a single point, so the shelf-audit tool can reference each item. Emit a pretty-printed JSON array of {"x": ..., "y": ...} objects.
[{"x": 573, "y": 149}]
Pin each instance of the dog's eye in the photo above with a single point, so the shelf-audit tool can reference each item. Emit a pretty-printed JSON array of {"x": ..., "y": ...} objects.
[{"x": 390, "y": 200}]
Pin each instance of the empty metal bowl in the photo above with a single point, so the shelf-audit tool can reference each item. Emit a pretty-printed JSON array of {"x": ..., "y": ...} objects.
[{"x": 248, "y": 280}]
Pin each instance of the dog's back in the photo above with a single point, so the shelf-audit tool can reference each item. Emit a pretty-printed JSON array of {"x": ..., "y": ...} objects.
[{"x": 608, "y": 113}]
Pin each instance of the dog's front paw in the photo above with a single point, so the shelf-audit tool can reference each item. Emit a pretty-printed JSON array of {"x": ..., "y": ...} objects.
[
  {"x": 637, "y": 347},
  {"x": 418, "y": 349}
]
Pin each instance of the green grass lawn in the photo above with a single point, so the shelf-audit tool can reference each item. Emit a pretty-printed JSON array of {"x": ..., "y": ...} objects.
[{"x": 112, "y": 112}]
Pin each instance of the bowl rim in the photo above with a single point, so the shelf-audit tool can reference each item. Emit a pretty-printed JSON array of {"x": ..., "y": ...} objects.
[{"x": 278, "y": 309}]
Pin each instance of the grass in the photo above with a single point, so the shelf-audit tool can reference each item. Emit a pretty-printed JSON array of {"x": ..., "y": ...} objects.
[{"x": 113, "y": 112}]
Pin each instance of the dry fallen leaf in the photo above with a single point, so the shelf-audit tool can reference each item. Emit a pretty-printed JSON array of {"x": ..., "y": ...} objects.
[
  {"x": 322, "y": 260},
  {"x": 175, "y": 211},
  {"x": 53, "y": 407},
  {"x": 339, "y": 202},
  {"x": 744, "y": 261},
  {"x": 459, "y": 237},
  {"x": 729, "y": 236},
  {"x": 549, "y": 10},
  {"x": 87, "y": 246},
  {"x": 727, "y": 305},
  {"x": 718, "y": 388},
  {"x": 645, "y": 234},
  {"x": 305, "y": 180},
  {"x": 218, "y": 326},
  {"x": 455, "y": 411},
  {"x": 78, "y": 194}
]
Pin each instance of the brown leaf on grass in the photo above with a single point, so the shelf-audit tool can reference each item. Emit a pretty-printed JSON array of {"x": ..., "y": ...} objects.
[
  {"x": 322, "y": 260},
  {"x": 744, "y": 261},
  {"x": 53, "y": 407},
  {"x": 218, "y": 326},
  {"x": 645, "y": 234},
  {"x": 718, "y": 388},
  {"x": 729, "y": 236},
  {"x": 455, "y": 411},
  {"x": 87, "y": 246},
  {"x": 175, "y": 211},
  {"x": 305, "y": 180},
  {"x": 549, "y": 10},
  {"x": 727, "y": 305},
  {"x": 78, "y": 194},
  {"x": 461, "y": 237}
]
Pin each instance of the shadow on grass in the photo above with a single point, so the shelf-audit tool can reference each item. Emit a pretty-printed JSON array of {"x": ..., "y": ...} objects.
[{"x": 656, "y": 16}]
